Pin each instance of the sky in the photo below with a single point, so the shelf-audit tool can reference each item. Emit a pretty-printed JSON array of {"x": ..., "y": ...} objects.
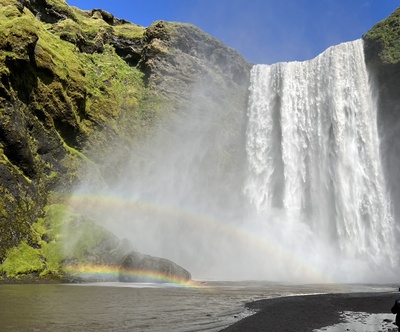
[{"x": 262, "y": 31}]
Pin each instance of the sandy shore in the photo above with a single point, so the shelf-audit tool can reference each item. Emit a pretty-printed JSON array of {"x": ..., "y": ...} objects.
[{"x": 307, "y": 313}]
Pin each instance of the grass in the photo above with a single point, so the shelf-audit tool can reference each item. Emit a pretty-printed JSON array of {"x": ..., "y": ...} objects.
[
  {"x": 386, "y": 34},
  {"x": 129, "y": 31}
]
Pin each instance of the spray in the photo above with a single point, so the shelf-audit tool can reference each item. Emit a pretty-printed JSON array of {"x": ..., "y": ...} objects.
[{"x": 299, "y": 196}]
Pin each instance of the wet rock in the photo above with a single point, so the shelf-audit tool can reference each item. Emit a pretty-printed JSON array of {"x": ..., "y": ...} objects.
[
  {"x": 137, "y": 267},
  {"x": 128, "y": 49},
  {"x": 202, "y": 78},
  {"x": 178, "y": 57},
  {"x": 106, "y": 16},
  {"x": 382, "y": 56},
  {"x": 46, "y": 11}
]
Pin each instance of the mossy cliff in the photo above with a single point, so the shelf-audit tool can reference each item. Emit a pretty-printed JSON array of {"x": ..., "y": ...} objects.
[
  {"x": 66, "y": 97},
  {"x": 382, "y": 54},
  {"x": 76, "y": 85}
]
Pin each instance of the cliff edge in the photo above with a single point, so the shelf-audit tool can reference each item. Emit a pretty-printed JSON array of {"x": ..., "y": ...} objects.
[
  {"x": 77, "y": 85},
  {"x": 382, "y": 56}
]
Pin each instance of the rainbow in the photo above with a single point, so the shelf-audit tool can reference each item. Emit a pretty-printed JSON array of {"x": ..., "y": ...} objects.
[
  {"x": 107, "y": 272},
  {"x": 98, "y": 204}
]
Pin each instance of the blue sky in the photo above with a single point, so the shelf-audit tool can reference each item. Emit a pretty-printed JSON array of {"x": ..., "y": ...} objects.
[{"x": 263, "y": 31}]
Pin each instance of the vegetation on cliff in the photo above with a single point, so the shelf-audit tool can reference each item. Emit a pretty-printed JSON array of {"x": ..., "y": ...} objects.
[
  {"x": 69, "y": 94},
  {"x": 382, "y": 55},
  {"x": 383, "y": 40},
  {"x": 62, "y": 239},
  {"x": 75, "y": 87}
]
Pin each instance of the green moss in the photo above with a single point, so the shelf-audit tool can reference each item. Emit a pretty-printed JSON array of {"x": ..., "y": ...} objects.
[
  {"x": 8, "y": 9},
  {"x": 19, "y": 206},
  {"x": 94, "y": 87},
  {"x": 67, "y": 29},
  {"x": 123, "y": 92},
  {"x": 21, "y": 260},
  {"x": 129, "y": 31},
  {"x": 52, "y": 175},
  {"x": 5, "y": 161},
  {"x": 61, "y": 236},
  {"x": 106, "y": 75},
  {"x": 53, "y": 256},
  {"x": 386, "y": 35},
  {"x": 90, "y": 28},
  {"x": 75, "y": 108},
  {"x": 80, "y": 239},
  {"x": 169, "y": 27},
  {"x": 48, "y": 236},
  {"x": 70, "y": 11},
  {"x": 62, "y": 59},
  {"x": 51, "y": 225}
]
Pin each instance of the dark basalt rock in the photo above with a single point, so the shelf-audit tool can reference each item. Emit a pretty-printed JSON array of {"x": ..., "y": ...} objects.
[
  {"x": 178, "y": 56},
  {"x": 203, "y": 78},
  {"x": 382, "y": 56},
  {"x": 137, "y": 267},
  {"x": 45, "y": 11},
  {"x": 128, "y": 49}
]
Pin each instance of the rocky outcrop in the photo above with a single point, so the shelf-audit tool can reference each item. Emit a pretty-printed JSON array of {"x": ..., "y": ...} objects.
[
  {"x": 382, "y": 55},
  {"x": 137, "y": 267},
  {"x": 204, "y": 81},
  {"x": 177, "y": 57},
  {"x": 64, "y": 241},
  {"x": 66, "y": 100},
  {"x": 77, "y": 85}
]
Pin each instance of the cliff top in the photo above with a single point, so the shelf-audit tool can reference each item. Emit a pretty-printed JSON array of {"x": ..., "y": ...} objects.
[{"x": 383, "y": 39}]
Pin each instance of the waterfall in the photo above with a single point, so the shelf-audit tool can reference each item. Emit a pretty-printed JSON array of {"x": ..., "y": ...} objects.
[
  {"x": 313, "y": 157},
  {"x": 297, "y": 196}
]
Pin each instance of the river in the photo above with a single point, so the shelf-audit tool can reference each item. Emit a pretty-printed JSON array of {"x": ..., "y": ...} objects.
[{"x": 208, "y": 306}]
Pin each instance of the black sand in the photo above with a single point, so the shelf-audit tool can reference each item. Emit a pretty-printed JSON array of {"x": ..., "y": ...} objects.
[{"x": 306, "y": 313}]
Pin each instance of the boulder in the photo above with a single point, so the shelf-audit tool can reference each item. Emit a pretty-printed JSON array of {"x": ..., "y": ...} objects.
[{"x": 137, "y": 267}]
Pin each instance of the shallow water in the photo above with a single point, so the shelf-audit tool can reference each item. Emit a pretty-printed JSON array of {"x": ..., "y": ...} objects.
[
  {"x": 363, "y": 322},
  {"x": 210, "y": 306}
]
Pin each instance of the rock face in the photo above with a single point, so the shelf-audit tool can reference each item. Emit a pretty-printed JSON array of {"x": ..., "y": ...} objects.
[
  {"x": 203, "y": 79},
  {"x": 382, "y": 54},
  {"x": 76, "y": 85},
  {"x": 176, "y": 57},
  {"x": 137, "y": 267},
  {"x": 61, "y": 104}
]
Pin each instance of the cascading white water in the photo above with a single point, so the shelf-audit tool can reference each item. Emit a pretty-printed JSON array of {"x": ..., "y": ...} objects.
[{"x": 313, "y": 156}]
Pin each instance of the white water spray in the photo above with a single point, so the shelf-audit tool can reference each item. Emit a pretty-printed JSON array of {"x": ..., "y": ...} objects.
[
  {"x": 313, "y": 156},
  {"x": 311, "y": 205}
]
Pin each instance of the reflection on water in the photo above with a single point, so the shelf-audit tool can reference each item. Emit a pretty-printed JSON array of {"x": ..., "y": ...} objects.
[{"x": 131, "y": 307}]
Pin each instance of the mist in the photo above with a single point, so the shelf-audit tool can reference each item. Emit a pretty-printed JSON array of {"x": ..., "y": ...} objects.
[{"x": 241, "y": 198}]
